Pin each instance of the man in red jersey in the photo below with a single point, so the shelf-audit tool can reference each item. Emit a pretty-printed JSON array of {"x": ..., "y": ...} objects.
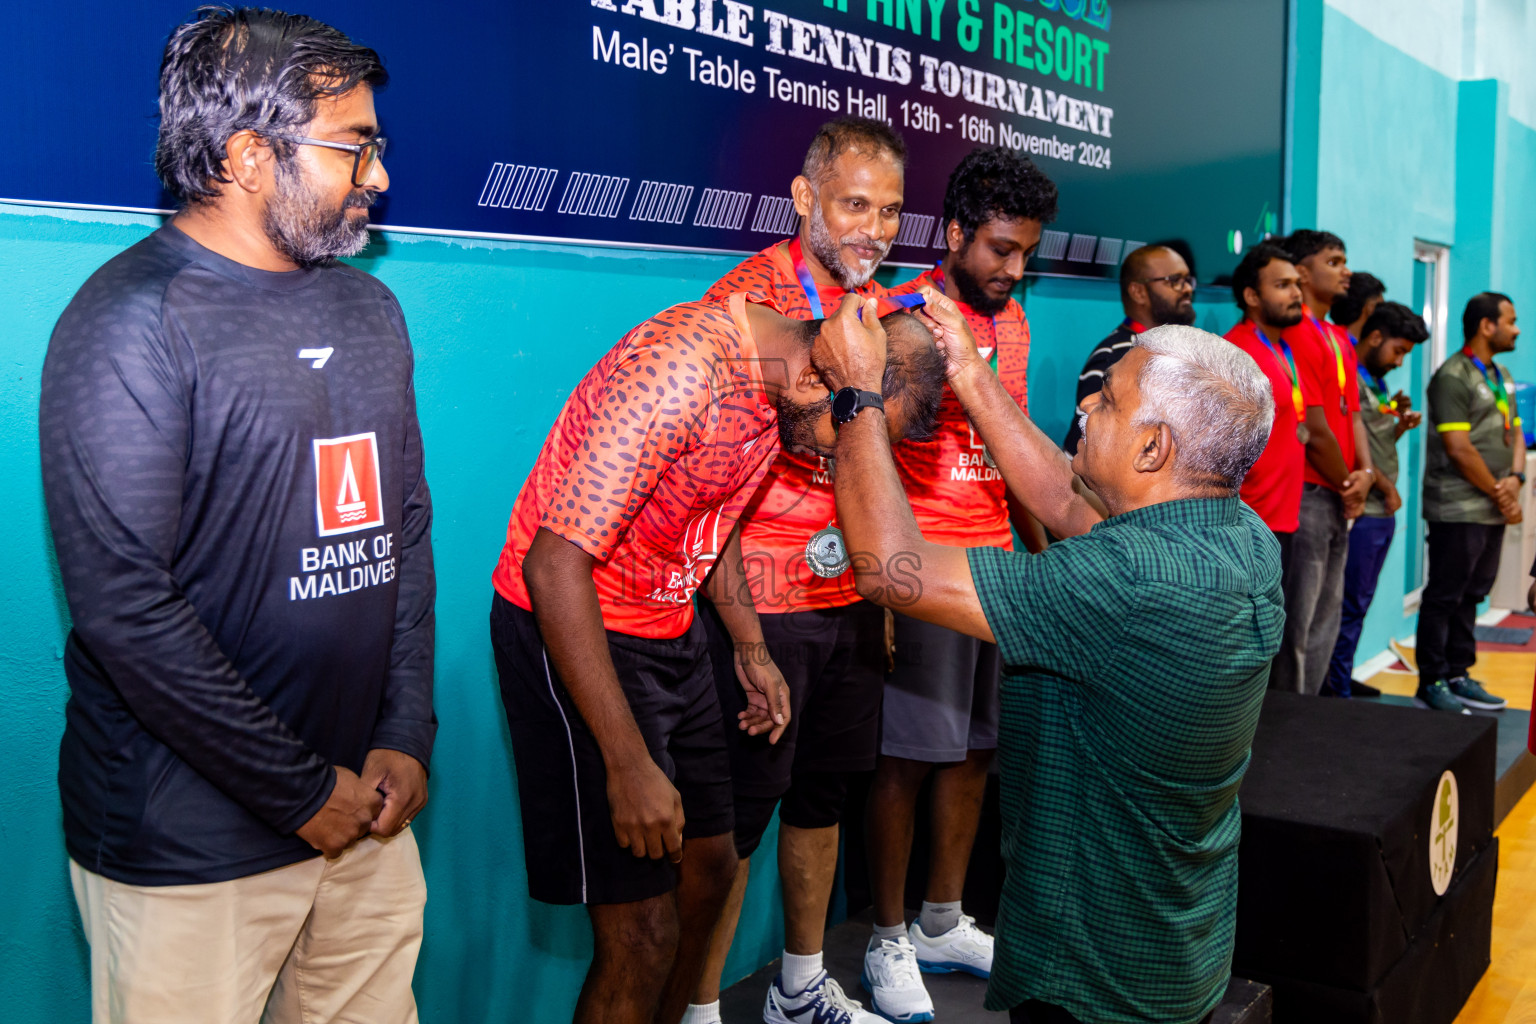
[
  {"x": 829, "y": 644},
  {"x": 632, "y": 505},
  {"x": 1338, "y": 471},
  {"x": 1268, "y": 291},
  {"x": 940, "y": 713}
]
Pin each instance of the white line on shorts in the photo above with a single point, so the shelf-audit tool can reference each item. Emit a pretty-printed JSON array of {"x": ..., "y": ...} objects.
[{"x": 581, "y": 847}]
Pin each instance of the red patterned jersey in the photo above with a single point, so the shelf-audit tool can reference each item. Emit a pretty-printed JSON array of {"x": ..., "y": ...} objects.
[
  {"x": 796, "y": 500},
  {"x": 957, "y": 494},
  {"x": 650, "y": 465}
]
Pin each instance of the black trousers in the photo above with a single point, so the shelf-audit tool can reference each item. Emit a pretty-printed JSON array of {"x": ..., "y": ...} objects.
[
  {"x": 1463, "y": 561},
  {"x": 1036, "y": 1012}
]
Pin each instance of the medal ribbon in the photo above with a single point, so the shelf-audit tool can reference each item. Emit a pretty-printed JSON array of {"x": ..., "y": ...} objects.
[
  {"x": 807, "y": 282},
  {"x": 1333, "y": 343},
  {"x": 937, "y": 275},
  {"x": 1378, "y": 389},
  {"x": 1289, "y": 363},
  {"x": 1133, "y": 326},
  {"x": 1495, "y": 383}
]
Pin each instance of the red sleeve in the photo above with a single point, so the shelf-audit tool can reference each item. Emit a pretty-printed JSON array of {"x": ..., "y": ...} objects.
[{"x": 653, "y": 406}]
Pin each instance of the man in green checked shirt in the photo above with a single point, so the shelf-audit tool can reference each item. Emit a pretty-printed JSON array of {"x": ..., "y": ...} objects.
[
  {"x": 1136, "y": 655},
  {"x": 1473, "y": 473}
]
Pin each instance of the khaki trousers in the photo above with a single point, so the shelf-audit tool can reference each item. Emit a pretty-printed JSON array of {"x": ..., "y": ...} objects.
[{"x": 317, "y": 941}]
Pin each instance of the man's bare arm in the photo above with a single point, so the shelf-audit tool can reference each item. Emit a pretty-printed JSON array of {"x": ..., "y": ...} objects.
[
  {"x": 1038, "y": 474},
  {"x": 646, "y": 809},
  {"x": 893, "y": 564},
  {"x": 767, "y": 693}
]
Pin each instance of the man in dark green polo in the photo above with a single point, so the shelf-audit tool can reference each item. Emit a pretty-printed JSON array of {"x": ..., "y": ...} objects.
[
  {"x": 1473, "y": 471},
  {"x": 1136, "y": 654}
]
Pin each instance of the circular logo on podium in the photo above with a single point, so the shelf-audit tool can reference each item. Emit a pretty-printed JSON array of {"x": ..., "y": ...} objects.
[{"x": 1444, "y": 818}]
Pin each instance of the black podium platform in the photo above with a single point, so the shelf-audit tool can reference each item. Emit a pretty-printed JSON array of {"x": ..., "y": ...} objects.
[{"x": 1345, "y": 811}]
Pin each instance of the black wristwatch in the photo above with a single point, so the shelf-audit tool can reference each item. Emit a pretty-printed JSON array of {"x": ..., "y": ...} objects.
[
  {"x": 1519, "y": 476},
  {"x": 848, "y": 402}
]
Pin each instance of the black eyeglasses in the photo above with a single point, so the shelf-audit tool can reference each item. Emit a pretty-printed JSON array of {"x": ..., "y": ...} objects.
[
  {"x": 1175, "y": 281},
  {"x": 365, "y": 155}
]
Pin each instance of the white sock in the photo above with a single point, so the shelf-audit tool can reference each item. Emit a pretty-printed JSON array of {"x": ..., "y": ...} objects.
[
  {"x": 706, "y": 1013},
  {"x": 799, "y": 971},
  {"x": 890, "y": 931}
]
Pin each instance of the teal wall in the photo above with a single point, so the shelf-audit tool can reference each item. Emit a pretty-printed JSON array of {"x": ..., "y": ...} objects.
[
  {"x": 1383, "y": 150},
  {"x": 1404, "y": 152}
]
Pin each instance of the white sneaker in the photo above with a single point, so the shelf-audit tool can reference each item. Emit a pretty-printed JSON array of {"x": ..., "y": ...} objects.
[
  {"x": 822, "y": 1002},
  {"x": 963, "y": 948},
  {"x": 894, "y": 983}
]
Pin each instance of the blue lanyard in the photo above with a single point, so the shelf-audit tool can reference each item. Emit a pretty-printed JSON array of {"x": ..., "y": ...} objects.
[{"x": 807, "y": 282}]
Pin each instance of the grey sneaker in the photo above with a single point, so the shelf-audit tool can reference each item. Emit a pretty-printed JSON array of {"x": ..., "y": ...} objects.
[
  {"x": 1439, "y": 696},
  {"x": 1471, "y": 693}
]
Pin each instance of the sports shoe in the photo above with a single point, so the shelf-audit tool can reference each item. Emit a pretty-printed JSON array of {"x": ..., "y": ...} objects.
[
  {"x": 1439, "y": 696},
  {"x": 1471, "y": 693},
  {"x": 963, "y": 948},
  {"x": 822, "y": 1002},
  {"x": 894, "y": 983}
]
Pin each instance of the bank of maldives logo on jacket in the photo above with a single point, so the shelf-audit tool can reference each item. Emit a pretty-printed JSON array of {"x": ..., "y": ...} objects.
[{"x": 347, "y": 492}]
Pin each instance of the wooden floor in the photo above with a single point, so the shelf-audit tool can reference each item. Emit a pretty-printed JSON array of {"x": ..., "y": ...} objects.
[{"x": 1507, "y": 993}]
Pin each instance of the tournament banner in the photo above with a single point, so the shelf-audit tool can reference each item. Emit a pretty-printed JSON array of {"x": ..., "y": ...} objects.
[{"x": 680, "y": 123}]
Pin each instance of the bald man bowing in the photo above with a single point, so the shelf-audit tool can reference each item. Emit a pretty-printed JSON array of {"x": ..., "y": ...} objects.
[{"x": 1136, "y": 654}]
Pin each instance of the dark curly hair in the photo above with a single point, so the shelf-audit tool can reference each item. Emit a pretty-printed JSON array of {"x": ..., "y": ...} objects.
[
  {"x": 1306, "y": 242},
  {"x": 246, "y": 69},
  {"x": 1395, "y": 320},
  {"x": 1363, "y": 288},
  {"x": 1254, "y": 260},
  {"x": 995, "y": 182},
  {"x": 841, "y": 134}
]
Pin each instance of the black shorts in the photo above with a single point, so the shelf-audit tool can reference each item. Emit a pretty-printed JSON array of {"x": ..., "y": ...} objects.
[
  {"x": 941, "y": 699},
  {"x": 568, "y": 841},
  {"x": 834, "y": 663}
]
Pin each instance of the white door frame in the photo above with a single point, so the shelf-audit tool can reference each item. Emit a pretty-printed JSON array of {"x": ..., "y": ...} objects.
[{"x": 1436, "y": 313}]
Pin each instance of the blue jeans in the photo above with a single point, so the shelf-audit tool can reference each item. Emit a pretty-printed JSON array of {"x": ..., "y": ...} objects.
[{"x": 1369, "y": 540}]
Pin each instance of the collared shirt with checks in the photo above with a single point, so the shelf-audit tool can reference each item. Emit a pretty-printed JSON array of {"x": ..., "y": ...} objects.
[{"x": 1135, "y": 662}]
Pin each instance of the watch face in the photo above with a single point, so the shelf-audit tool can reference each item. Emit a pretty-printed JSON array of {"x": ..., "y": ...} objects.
[{"x": 845, "y": 404}]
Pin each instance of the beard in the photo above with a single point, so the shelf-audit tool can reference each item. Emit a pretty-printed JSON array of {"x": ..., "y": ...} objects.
[
  {"x": 1179, "y": 311},
  {"x": 828, "y": 250},
  {"x": 972, "y": 292},
  {"x": 1282, "y": 316},
  {"x": 301, "y": 226},
  {"x": 797, "y": 424}
]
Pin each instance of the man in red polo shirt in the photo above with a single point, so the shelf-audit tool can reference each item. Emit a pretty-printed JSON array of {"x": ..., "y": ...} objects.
[
  {"x": 940, "y": 715},
  {"x": 829, "y": 643},
  {"x": 1268, "y": 291},
  {"x": 1337, "y": 474}
]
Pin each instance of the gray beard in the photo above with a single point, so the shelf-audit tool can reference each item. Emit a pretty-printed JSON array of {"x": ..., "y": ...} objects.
[
  {"x": 299, "y": 225},
  {"x": 828, "y": 252}
]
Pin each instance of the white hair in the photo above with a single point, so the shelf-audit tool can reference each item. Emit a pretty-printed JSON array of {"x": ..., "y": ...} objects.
[{"x": 1216, "y": 401}]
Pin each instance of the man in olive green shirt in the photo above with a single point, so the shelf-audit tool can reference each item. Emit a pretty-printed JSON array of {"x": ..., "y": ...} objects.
[
  {"x": 1389, "y": 334},
  {"x": 1474, "y": 470},
  {"x": 1136, "y": 654}
]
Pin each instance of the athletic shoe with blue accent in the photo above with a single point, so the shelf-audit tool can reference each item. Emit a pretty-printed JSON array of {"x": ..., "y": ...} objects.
[
  {"x": 1471, "y": 693},
  {"x": 894, "y": 983},
  {"x": 822, "y": 1002},
  {"x": 1438, "y": 696},
  {"x": 963, "y": 948}
]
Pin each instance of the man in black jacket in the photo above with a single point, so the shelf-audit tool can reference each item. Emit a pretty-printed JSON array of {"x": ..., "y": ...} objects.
[{"x": 233, "y": 472}]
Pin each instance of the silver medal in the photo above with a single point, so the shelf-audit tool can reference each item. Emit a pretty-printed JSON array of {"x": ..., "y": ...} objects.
[
  {"x": 1302, "y": 433},
  {"x": 826, "y": 553}
]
